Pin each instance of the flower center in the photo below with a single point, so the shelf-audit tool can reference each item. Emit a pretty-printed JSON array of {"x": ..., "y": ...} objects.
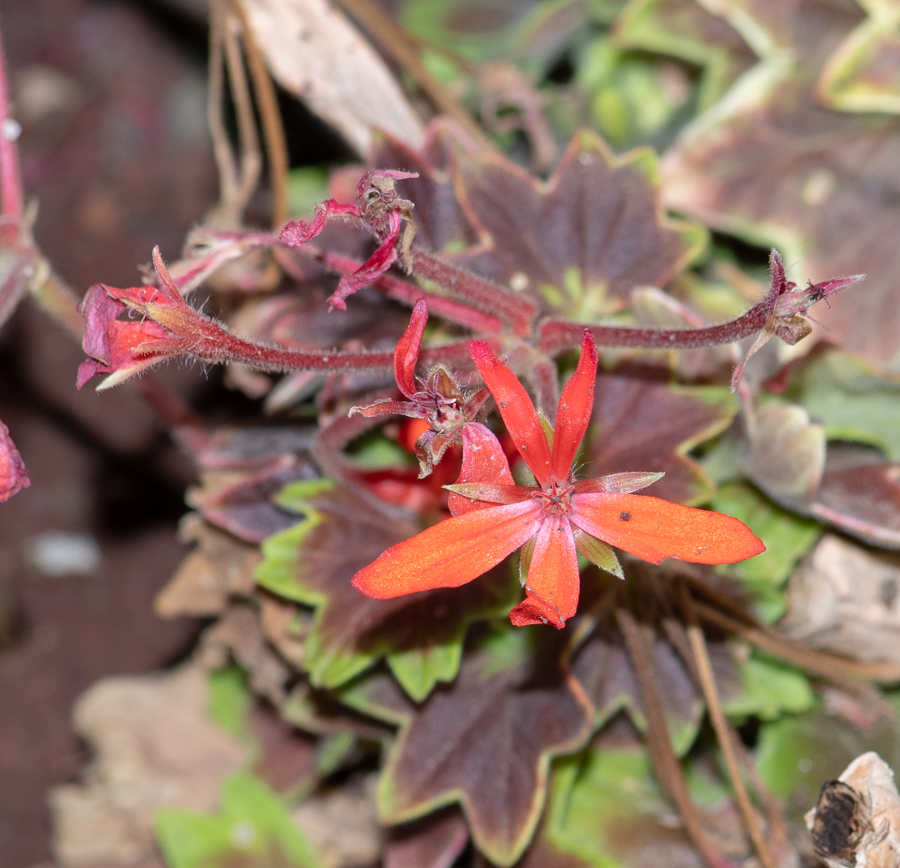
[{"x": 556, "y": 500}]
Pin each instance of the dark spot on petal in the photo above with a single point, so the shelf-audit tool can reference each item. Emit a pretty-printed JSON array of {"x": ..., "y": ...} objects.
[{"x": 625, "y": 516}]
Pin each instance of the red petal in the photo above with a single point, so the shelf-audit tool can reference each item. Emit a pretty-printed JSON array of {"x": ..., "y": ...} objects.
[
  {"x": 99, "y": 308},
  {"x": 451, "y": 553},
  {"x": 575, "y": 406},
  {"x": 553, "y": 580},
  {"x": 483, "y": 461},
  {"x": 654, "y": 529},
  {"x": 376, "y": 265},
  {"x": 407, "y": 352},
  {"x": 491, "y": 492},
  {"x": 517, "y": 411}
]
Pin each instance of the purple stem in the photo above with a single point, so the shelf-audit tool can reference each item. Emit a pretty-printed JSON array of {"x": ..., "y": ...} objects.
[
  {"x": 481, "y": 294},
  {"x": 558, "y": 335}
]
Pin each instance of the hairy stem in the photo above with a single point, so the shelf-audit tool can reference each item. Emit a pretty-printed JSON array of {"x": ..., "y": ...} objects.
[
  {"x": 11, "y": 200},
  {"x": 556, "y": 336},
  {"x": 480, "y": 293}
]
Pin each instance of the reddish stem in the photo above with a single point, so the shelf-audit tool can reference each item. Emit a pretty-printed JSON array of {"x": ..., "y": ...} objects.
[
  {"x": 481, "y": 294},
  {"x": 408, "y": 293},
  {"x": 557, "y": 335},
  {"x": 10, "y": 178}
]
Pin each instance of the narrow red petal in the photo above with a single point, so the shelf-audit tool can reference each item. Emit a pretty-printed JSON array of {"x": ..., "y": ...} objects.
[
  {"x": 654, "y": 529},
  {"x": 553, "y": 580},
  {"x": 450, "y": 553},
  {"x": 491, "y": 492},
  {"x": 483, "y": 461},
  {"x": 407, "y": 352},
  {"x": 574, "y": 413},
  {"x": 517, "y": 410}
]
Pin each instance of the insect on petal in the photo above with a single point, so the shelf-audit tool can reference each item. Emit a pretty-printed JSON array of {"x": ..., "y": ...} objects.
[{"x": 654, "y": 529}]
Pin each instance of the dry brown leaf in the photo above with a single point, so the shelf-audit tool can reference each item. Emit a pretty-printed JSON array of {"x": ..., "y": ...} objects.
[
  {"x": 278, "y": 619},
  {"x": 154, "y": 746},
  {"x": 342, "y": 825},
  {"x": 238, "y": 634},
  {"x": 856, "y": 823},
  {"x": 845, "y": 599},
  {"x": 220, "y": 566},
  {"x": 314, "y": 52}
]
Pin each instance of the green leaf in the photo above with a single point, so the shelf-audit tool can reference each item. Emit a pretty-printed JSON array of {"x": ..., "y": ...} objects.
[
  {"x": 253, "y": 826},
  {"x": 768, "y": 690},
  {"x": 314, "y": 562},
  {"x": 485, "y": 741},
  {"x": 606, "y": 805},
  {"x": 787, "y": 537},
  {"x": 229, "y": 701},
  {"x": 419, "y": 669}
]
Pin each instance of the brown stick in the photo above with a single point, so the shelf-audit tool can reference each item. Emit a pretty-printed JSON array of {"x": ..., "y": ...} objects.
[
  {"x": 270, "y": 116},
  {"x": 828, "y": 666},
  {"x": 720, "y": 725},
  {"x": 658, "y": 743}
]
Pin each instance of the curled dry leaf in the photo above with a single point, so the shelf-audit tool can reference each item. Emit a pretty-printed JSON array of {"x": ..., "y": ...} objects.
[
  {"x": 280, "y": 624},
  {"x": 856, "y": 823},
  {"x": 315, "y": 53},
  {"x": 238, "y": 634},
  {"x": 220, "y": 566},
  {"x": 787, "y": 455},
  {"x": 154, "y": 746},
  {"x": 342, "y": 824},
  {"x": 845, "y": 599}
]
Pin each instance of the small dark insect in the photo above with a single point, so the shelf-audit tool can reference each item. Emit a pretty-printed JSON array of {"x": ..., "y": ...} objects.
[
  {"x": 625, "y": 516},
  {"x": 843, "y": 819}
]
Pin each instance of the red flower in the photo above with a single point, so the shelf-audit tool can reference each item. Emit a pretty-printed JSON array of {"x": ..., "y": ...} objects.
[
  {"x": 13, "y": 475},
  {"x": 123, "y": 348},
  {"x": 437, "y": 399},
  {"x": 555, "y": 519}
]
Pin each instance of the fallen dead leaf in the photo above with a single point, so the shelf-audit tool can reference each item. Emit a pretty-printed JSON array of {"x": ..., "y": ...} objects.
[
  {"x": 342, "y": 825},
  {"x": 238, "y": 634},
  {"x": 856, "y": 823},
  {"x": 315, "y": 53},
  {"x": 220, "y": 566},
  {"x": 154, "y": 746},
  {"x": 845, "y": 599}
]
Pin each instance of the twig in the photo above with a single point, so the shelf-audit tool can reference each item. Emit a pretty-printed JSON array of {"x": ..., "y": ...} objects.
[
  {"x": 250, "y": 156},
  {"x": 828, "y": 666},
  {"x": 270, "y": 116},
  {"x": 664, "y": 759},
  {"x": 720, "y": 724},
  {"x": 222, "y": 153}
]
